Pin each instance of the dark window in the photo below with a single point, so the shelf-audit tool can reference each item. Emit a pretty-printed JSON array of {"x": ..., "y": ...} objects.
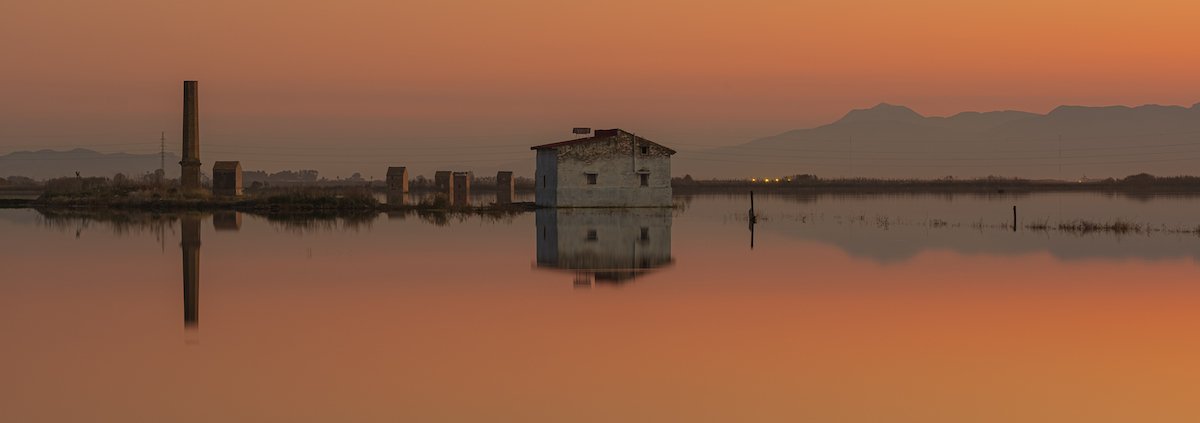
[
  {"x": 543, "y": 181},
  {"x": 645, "y": 234},
  {"x": 591, "y": 178},
  {"x": 645, "y": 150},
  {"x": 591, "y": 235},
  {"x": 645, "y": 179}
]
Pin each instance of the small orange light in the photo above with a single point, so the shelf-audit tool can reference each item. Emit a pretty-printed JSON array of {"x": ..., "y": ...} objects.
[
  {"x": 776, "y": 179},
  {"x": 753, "y": 180}
]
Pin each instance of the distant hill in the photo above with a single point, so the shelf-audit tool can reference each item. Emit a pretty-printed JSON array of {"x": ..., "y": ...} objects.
[
  {"x": 897, "y": 142},
  {"x": 46, "y": 164}
]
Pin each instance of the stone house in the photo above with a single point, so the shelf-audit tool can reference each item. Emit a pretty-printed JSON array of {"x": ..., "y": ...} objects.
[{"x": 613, "y": 168}]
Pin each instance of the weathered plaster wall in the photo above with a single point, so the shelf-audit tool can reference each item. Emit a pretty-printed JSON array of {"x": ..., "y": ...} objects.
[
  {"x": 617, "y": 162},
  {"x": 546, "y": 178}
]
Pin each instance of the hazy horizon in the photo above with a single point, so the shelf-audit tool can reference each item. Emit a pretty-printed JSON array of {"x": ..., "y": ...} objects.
[
  {"x": 367, "y": 75},
  {"x": 930, "y": 147}
]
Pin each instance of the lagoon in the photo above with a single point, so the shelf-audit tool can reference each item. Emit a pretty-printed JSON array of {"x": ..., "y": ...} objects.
[{"x": 846, "y": 308}]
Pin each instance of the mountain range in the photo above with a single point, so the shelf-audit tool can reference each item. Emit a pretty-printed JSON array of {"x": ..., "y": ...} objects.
[
  {"x": 896, "y": 142},
  {"x": 45, "y": 164},
  {"x": 885, "y": 141}
]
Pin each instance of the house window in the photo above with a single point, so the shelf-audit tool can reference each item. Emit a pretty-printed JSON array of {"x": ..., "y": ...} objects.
[
  {"x": 645, "y": 150},
  {"x": 543, "y": 181},
  {"x": 591, "y": 179},
  {"x": 591, "y": 235},
  {"x": 645, "y": 235},
  {"x": 645, "y": 179}
]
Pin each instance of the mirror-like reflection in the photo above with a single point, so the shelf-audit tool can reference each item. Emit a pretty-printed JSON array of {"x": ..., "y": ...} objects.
[
  {"x": 227, "y": 220},
  {"x": 847, "y": 309},
  {"x": 604, "y": 246},
  {"x": 190, "y": 231}
]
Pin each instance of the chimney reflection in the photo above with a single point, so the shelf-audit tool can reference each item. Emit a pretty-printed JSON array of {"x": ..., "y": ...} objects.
[
  {"x": 190, "y": 230},
  {"x": 604, "y": 246}
]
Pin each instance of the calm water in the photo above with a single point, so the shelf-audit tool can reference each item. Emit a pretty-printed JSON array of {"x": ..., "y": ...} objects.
[{"x": 846, "y": 309}]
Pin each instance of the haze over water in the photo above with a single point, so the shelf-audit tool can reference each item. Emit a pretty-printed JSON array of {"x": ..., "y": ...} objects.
[{"x": 833, "y": 315}]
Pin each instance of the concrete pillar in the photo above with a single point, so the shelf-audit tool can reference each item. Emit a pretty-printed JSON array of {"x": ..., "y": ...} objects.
[
  {"x": 505, "y": 189},
  {"x": 190, "y": 178},
  {"x": 190, "y": 231},
  {"x": 462, "y": 189}
]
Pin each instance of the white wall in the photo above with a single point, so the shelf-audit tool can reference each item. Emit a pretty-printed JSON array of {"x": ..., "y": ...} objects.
[
  {"x": 546, "y": 178},
  {"x": 617, "y": 166}
]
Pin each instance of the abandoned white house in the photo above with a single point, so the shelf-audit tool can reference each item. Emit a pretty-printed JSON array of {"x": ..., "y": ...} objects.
[{"x": 613, "y": 168}]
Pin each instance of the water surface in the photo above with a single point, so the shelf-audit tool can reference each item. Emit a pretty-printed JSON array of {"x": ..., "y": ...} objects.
[{"x": 609, "y": 315}]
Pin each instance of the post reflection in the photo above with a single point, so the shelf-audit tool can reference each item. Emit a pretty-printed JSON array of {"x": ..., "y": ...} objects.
[{"x": 604, "y": 246}]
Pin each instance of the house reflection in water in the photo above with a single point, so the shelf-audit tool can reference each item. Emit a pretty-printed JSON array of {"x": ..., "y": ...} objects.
[{"x": 604, "y": 246}]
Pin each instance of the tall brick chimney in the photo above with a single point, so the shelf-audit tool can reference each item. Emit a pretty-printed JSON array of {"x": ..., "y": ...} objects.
[{"x": 190, "y": 178}]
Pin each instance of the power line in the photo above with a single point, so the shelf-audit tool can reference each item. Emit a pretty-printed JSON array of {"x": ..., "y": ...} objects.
[
  {"x": 947, "y": 166},
  {"x": 993, "y": 141},
  {"x": 365, "y": 155},
  {"x": 951, "y": 158},
  {"x": 343, "y": 138},
  {"x": 365, "y": 148},
  {"x": 391, "y": 161},
  {"x": 942, "y": 152},
  {"x": 73, "y": 136}
]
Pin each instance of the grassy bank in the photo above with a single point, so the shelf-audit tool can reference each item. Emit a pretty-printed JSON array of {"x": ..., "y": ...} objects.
[{"x": 104, "y": 193}]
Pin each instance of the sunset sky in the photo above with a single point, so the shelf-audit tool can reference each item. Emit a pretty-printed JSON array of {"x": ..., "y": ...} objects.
[{"x": 371, "y": 74}]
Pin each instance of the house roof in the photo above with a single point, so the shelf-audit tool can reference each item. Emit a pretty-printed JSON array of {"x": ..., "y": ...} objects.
[
  {"x": 601, "y": 134},
  {"x": 562, "y": 143},
  {"x": 226, "y": 165}
]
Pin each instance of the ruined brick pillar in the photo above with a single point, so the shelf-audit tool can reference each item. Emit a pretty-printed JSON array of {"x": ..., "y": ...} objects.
[
  {"x": 504, "y": 188},
  {"x": 462, "y": 189},
  {"x": 397, "y": 179},
  {"x": 443, "y": 182}
]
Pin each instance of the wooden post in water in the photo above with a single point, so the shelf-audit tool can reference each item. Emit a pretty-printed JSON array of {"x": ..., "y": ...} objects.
[
  {"x": 752, "y": 220},
  {"x": 1014, "y": 218},
  {"x": 752, "y": 217}
]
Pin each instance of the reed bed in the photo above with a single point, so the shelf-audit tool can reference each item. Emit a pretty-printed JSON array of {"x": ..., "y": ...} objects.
[{"x": 1120, "y": 226}]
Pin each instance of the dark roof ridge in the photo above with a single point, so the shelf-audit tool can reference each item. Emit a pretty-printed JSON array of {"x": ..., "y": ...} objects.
[{"x": 608, "y": 133}]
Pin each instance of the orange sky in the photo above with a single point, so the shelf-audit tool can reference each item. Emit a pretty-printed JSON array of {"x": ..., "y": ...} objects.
[{"x": 732, "y": 71}]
